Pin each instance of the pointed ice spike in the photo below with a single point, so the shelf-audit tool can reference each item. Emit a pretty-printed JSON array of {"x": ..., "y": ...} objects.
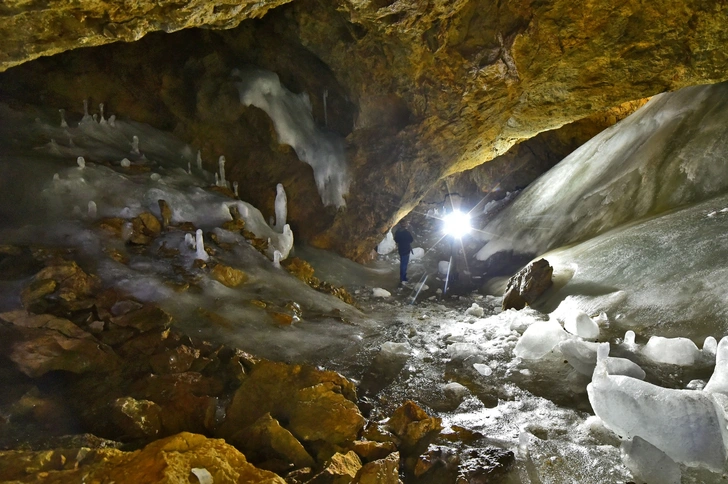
[{"x": 64, "y": 124}]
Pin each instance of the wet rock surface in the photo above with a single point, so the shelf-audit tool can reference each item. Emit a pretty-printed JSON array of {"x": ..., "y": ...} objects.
[{"x": 528, "y": 284}]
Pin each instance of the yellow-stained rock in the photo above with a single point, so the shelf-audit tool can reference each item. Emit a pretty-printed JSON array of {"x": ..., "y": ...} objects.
[
  {"x": 370, "y": 450},
  {"x": 381, "y": 471},
  {"x": 228, "y": 276},
  {"x": 165, "y": 461},
  {"x": 136, "y": 418},
  {"x": 266, "y": 440},
  {"x": 166, "y": 213},
  {"x": 341, "y": 469},
  {"x": 411, "y": 424}
]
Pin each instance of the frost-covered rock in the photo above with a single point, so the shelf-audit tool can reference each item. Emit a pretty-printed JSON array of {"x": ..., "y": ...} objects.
[
  {"x": 684, "y": 424},
  {"x": 649, "y": 464},
  {"x": 379, "y": 292},
  {"x": 580, "y": 324},
  {"x": 539, "y": 339},
  {"x": 475, "y": 310},
  {"x": 674, "y": 351}
]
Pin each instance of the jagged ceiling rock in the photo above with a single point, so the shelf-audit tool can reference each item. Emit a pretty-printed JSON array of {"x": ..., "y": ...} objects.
[{"x": 421, "y": 90}]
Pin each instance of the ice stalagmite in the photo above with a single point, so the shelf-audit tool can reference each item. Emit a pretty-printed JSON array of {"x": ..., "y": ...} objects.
[
  {"x": 221, "y": 165},
  {"x": 81, "y": 162},
  {"x": 92, "y": 210},
  {"x": 200, "y": 245},
  {"x": 684, "y": 424},
  {"x": 281, "y": 207},
  {"x": 64, "y": 124},
  {"x": 135, "y": 145},
  {"x": 277, "y": 259},
  {"x": 101, "y": 114},
  {"x": 235, "y": 189}
]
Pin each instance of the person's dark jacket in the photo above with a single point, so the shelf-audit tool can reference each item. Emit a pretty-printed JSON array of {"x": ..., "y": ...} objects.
[{"x": 404, "y": 240}]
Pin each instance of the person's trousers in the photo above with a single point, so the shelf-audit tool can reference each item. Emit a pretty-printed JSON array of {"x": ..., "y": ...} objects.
[{"x": 403, "y": 261}]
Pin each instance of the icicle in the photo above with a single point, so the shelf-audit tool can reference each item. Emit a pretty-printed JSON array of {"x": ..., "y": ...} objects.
[
  {"x": 135, "y": 145},
  {"x": 81, "y": 162},
  {"x": 125, "y": 163},
  {"x": 189, "y": 167},
  {"x": 112, "y": 120},
  {"x": 277, "y": 259},
  {"x": 200, "y": 246},
  {"x": 221, "y": 164},
  {"x": 101, "y": 114},
  {"x": 326, "y": 117},
  {"x": 281, "y": 207},
  {"x": 235, "y": 188},
  {"x": 199, "y": 160},
  {"x": 92, "y": 210},
  {"x": 64, "y": 124}
]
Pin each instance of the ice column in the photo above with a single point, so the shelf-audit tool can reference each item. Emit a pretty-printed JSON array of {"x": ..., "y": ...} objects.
[
  {"x": 281, "y": 207},
  {"x": 221, "y": 165},
  {"x": 200, "y": 245},
  {"x": 86, "y": 118}
]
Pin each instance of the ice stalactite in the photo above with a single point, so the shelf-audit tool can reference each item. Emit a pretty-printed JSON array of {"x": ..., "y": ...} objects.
[
  {"x": 295, "y": 126},
  {"x": 281, "y": 207}
]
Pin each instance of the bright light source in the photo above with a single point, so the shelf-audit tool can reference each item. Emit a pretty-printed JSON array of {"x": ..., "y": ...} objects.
[{"x": 457, "y": 224}]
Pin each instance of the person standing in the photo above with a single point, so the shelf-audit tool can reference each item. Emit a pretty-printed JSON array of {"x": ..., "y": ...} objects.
[{"x": 403, "y": 239}]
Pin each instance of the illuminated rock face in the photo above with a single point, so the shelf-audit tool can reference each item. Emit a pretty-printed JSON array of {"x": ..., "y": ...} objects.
[{"x": 419, "y": 90}]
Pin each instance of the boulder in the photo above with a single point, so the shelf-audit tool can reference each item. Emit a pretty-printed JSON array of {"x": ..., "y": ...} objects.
[
  {"x": 380, "y": 471},
  {"x": 528, "y": 284},
  {"x": 412, "y": 426}
]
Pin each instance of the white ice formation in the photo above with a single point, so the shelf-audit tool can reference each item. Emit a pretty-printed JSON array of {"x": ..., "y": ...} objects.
[
  {"x": 200, "y": 246},
  {"x": 277, "y": 259},
  {"x": 295, "y": 126},
  {"x": 475, "y": 310},
  {"x": 387, "y": 245},
  {"x": 221, "y": 165},
  {"x": 379, "y": 292},
  {"x": 649, "y": 464},
  {"x": 674, "y": 351},
  {"x": 135, "y": 145},
  {"x": 92, "y": 210},
  {"x": 81, "y": 162},
  {"x": 281, "y": 207},
  {"x": 580, "y": 324},
  {"x": 125, "y": 163}
]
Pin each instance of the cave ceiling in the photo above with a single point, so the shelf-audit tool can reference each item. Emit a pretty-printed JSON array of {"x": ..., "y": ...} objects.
[{"x": 420, "y": 89}]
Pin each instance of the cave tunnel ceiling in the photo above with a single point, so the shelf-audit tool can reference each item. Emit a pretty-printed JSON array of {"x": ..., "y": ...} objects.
[{"x": 420, "y": 90}]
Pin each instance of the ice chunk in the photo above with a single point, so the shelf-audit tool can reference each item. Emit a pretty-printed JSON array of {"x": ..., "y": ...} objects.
[
  {"x": 649, "y": 464},
  {"x": 580, "y": 324},
  {"x": 281, "y": 207},
  {"x": 379, "y": 292},
  {"x": 675, "y": 351},
  {"x": 443, "y": 266},
  {"x": 202, "y": 475},
  {"x": 475, "y": 310},
  {"x": 200, "y": 246},
  {"x": 387, "y": 244},
  {"x": 582, "y": 355},
  {"x": 393, "y": 349},
  {"x": 684, "y": 424},
  {"x": 417, "y": 253},
  {"x": 710, "y": 347},
  {"x": 539, "y": 339},
  {"x": 718, "y": 382},
  {"x": 484, "y": 370},
  {"x": 629, "y": 338}
]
